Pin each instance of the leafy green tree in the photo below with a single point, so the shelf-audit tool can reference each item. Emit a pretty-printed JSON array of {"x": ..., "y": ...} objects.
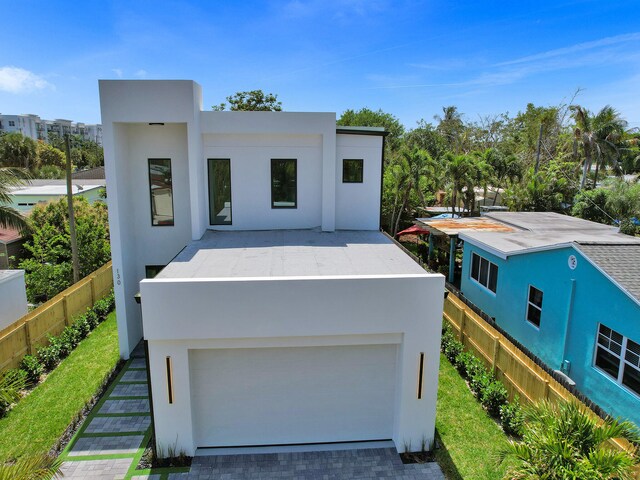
[
  {"x": 592, "y": 205},
  {"x": 11, "y": 177},
  {"x": 452, "y": 128},
  {"x": 48, "y": 155},
  {"x": 16, "y": 150},
  {"x": 366, "y": 117},
  {"x": 49, "y": 266},
  {"x": 599, "y": 136},
  {"x": 426, "y": 137},
  {"x": 459, "y": 174},
  {"x": 561, "y": 442},
  {"x": 251, "y": 101}
]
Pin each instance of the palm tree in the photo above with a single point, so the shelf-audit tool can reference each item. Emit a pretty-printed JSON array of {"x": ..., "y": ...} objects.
[
  {"x": 599, "y": 135},
  {"x": 10, "y": 217},
  {"x": 40, "y": 467},
  {"x": 458, "y": 173},
  {"x": 561, "y": 441}
]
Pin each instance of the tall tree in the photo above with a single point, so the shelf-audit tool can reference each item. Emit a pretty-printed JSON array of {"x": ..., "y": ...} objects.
[
  {"x": 366, "y": 117},
  {"x": 599, "y": 136},
  {"x": 16, "y": 150},
  {"x": 459, "y": 171},
  {"x": 452, "y": 128},
  {"x": 251, "y": 101}
]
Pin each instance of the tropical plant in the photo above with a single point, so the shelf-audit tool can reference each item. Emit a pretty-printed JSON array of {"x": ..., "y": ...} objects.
[
  {"x": 16, "y": 150},
  {"x": 254, "y": 100},
  {"x": 11, "y": 177},
  {"x": 599, "y": 136},
  {"x": 459, "y": 170},
  {"x": 562, "y": 441},
  {"x": 41, "y": 467},
  {"x": 11, "y": 384}
]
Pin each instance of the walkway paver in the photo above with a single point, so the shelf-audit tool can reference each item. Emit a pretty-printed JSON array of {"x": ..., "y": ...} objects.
[{"x": 111, "y": 441}]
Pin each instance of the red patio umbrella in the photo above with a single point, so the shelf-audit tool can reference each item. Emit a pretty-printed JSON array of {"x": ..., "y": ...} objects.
[{"x": 413, "y": 230}]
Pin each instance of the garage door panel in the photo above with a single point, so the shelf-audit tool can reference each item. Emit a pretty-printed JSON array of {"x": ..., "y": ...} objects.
[{"x": 269, "y": 396}]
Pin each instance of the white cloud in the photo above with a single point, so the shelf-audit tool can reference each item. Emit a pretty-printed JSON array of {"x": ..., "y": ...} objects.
[
  {"x": 18, "y": 80},
  {"x": 141, "y": 73},
  {"x": 117, "y": 71}
]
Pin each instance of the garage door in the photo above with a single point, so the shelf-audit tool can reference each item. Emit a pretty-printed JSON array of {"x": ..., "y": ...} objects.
[{"x": 273, "y": 396}]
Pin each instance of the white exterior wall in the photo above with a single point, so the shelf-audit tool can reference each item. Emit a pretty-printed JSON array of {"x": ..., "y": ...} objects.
[
  {"x": 358, "y": 204},
  {"x": 251, "y": 179},
  {"x": 13, "y": 297},
  {"x": 309, "y": 311}
]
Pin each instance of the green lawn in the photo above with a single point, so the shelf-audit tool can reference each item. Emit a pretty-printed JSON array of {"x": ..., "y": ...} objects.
[
  {"x": 37, "y": 421},
  {"x": 469, "y": 436}
]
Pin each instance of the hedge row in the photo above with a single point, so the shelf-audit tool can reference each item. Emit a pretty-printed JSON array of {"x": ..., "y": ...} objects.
[
  {"x": 47, "y": 357},
  {"x": 487, "y": 389}
]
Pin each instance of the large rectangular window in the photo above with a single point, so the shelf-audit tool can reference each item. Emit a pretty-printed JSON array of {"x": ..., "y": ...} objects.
[
  {"x": 220, "y": 191},
  {"x": 618, "y": 357},
  {"x": 284, "y": 188},
  {"x": 161, "y": 191},
  {"x": 534, "y": 305},
  {"x": 352, "y": 170},
  {"x": 484, "y": 272}
]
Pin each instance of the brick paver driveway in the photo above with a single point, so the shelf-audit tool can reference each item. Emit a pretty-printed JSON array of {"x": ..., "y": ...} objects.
[{"x": 110, "y": 443}]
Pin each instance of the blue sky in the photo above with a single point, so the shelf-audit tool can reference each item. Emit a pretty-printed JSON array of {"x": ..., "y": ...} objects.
[{"x": 409, "y": 58}]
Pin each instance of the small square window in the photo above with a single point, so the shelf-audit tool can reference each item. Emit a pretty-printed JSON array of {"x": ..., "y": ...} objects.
[{"x": 352, "y": 170}]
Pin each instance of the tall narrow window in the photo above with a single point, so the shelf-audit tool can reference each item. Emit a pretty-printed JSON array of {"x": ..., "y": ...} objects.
[
  {"x": 219, "y": 191},
  {"x": 284, "y": 188},
  {"x": 534, "y": 305},
  {"x": 161, "y": 191},
  {"x": 352, "y": 170}
]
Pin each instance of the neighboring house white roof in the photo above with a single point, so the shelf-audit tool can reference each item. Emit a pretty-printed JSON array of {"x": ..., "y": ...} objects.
[
  {"x": 45, "y": 190},
  {"x": 283, "y": 253},
  {"x": 543, "y": 231}
]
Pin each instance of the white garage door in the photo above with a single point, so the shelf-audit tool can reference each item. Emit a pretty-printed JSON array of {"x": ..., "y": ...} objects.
[{"x": 272, "y": 396}]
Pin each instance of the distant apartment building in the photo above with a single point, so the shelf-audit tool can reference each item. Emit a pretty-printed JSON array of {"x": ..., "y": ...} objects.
[{"x": 34, "y": 127}]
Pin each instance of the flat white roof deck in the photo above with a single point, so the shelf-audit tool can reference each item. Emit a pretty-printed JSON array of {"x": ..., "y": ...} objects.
[{"x": 290, "y": 253}]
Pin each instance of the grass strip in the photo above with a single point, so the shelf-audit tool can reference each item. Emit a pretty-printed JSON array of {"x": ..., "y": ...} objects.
[
  {"x": 470, "y": 438},
  {"x": 37, "y": 421}
]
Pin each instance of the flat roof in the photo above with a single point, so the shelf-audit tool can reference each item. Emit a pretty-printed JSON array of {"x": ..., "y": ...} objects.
[
  {"x": 53, "y": 189},
  {"x": 534, "y": 231},
  {"x": 284, "y": 253},
  {"x": 454, "y": 226}
]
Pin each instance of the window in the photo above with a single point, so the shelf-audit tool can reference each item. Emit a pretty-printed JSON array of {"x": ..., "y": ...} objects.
[
  {"x": 12, "y": 123},
  {"x": 352, "y": 170},
  {"x": 220, "y": 191},
  {"x": 150, "y": 271},
  {"x": 534, "y": 305},
  {"x": 484, "y": 272},
  {"x": 161, "y": 191},
  {"x": 618, "y": 357},
  {"x": 284, "y": 190}
]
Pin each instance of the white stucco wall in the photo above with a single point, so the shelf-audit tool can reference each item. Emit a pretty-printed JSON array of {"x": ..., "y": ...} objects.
[
  {"x": 251, "y": 313},
  {"x": 13, "y": 297},
  {"x": 358, "y": 204},
  {"x": 250, "y": 157}
]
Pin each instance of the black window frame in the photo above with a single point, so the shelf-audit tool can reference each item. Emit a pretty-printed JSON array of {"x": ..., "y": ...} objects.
[
  {"x": 533, "y": 307},
  {"x": 360, "y": 170},
  {"x": 173, "y": 211},
  {"x": 151, "y": 271},
  {"x": 477, "y": 271},
  {"x": 295, "y": 190},
  {"x": 211, "y": 199},
  {"x": 613, "y": 355}
]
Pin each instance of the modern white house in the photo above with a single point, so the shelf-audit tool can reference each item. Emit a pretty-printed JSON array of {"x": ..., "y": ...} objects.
[
  {"x": 273, "y": 309},
  {"x": 13, "y": 297}
]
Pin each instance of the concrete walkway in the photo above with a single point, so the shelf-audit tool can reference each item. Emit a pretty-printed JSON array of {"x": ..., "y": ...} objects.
[{"x": 111, "y": 441}]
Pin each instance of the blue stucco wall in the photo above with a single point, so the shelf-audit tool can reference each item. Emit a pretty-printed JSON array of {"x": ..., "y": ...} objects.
[{"x": 564, "y": 319}]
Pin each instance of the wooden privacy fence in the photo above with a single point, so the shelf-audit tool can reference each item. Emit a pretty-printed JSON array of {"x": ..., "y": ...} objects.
[
  {"x": 519, "y": 373},
  {"x": 30, "y": 332}
]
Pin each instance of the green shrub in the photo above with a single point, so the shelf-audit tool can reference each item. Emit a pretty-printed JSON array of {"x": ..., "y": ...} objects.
[
  {"x": 512, "y": 418},
  {"x": 479, "y": 383},
  {"x": 461, "y": 361},
  {"x": 70, "y": 337},
  {"x": 82, "y": 327},
  {"x": 49, "y": 356},
  {"x": 32, "y": 367},
  {"x": 92, "y": 319},
  {"x": 494, "y": 396},
  {"x": 101, "y": 308},
  {"x": 63, "y": 346}
]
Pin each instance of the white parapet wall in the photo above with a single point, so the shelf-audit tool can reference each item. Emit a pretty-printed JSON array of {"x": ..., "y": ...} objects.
[
  {"x": 345, "y": 313},
  {"x": 13, "y": 297}
]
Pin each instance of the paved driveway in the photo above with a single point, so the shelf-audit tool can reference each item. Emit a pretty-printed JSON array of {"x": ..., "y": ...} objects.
[{"x": 109, "y": 444}]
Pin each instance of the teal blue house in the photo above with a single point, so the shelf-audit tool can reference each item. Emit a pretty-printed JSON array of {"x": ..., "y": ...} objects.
[{"x": 569, "y": 291}]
